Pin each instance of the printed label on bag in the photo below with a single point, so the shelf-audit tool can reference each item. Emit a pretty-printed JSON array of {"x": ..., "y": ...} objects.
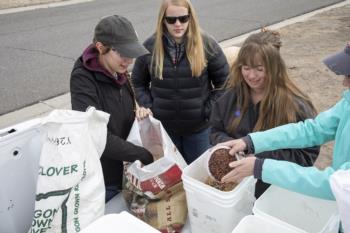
[
  {"x": 168, "y": 211},
  {"x": 76, "y": 208},
  {"x": 59, "y": 141},
  {"x": 58, "y": 171},
  {"x": 42, "y": 219},
  {"x": 84, "y": 170},
  {"x": 165, "y": 180}
]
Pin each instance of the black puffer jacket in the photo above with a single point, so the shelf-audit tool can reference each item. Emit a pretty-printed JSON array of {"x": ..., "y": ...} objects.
[
  {"x": 91, "y": 87},
  {"x": 181, "y": 102},
  {"x": 223, "y": 113}
]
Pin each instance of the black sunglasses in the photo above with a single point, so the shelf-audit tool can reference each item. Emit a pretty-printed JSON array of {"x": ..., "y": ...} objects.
[{"x": 173, "y": 19}]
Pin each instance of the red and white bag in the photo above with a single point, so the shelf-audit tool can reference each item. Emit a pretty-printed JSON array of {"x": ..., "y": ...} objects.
[{"x": 155, "y": 193}]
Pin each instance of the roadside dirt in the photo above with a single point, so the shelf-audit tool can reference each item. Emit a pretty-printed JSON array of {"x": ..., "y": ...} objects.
[{"x": 304, "y": 47}]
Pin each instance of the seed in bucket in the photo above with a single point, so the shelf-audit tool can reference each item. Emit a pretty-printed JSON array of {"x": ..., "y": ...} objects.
[
  {"x": 226, "y": 187},
  {"x": 219, "y": 163}
]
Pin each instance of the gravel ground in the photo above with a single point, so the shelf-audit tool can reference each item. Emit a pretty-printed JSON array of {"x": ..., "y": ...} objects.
[{"x": 305, "y": 45}]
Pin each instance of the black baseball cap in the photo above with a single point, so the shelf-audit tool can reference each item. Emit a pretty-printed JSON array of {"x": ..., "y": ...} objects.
[
  {"x": 339, "y": 63},
  {"x": 117, "y": 32}
]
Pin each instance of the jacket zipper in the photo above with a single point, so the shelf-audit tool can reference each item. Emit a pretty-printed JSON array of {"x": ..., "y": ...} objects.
[
  {"x": 120, "y": 94},
  {"x": 176, "y": 59}
]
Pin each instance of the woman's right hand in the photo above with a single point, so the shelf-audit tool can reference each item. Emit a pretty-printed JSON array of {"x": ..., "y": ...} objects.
[
  {"x": 141, "y": 113},
  {"x": 236, "y": 146},
  {"x": 241, "y": 169}
]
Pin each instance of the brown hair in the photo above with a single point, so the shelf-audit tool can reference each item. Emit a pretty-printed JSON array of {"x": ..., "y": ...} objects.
[
  {"x": 107, "y": 48},
  {"x": 266, "y": 36},
  {"x": 280, "y": 102},
  {"x": 194, "y": 43}
]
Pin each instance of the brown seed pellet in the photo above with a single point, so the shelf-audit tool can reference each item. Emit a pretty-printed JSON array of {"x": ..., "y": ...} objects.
[
  {"x": 219, "y": 163},
  {"x": 226, "y": 187}
]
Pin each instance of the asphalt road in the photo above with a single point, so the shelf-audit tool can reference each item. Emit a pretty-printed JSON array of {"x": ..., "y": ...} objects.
[{"x": 38, "y": 47}]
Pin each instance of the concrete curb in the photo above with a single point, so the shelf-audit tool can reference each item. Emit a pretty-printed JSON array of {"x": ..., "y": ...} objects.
[{"x": 35, "y": 110}]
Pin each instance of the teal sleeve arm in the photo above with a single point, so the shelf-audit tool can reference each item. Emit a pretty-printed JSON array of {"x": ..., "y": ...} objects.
[
  {"x": 306, "y": 180},
  {"x": 308, "y": 133}
]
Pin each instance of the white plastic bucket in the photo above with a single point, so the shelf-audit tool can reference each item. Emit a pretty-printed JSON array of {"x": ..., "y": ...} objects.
[
  {"x": 298, "y": 212},
  {"x": 340, "y": 184},
  {"x": 256, "y": 224},
  {"x": 212, "y": 210}
]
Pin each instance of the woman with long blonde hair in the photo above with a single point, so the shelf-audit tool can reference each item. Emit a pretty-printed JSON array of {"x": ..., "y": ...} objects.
[
  {"x": 260, "y": 95},
  {"x": 179, "y": 80}
]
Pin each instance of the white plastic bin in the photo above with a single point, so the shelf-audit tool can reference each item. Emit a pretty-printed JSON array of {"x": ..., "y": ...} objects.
[
  {"x": 256, "y": 224},
  {"x": 340, "y": 184},
  {"x": 20, "y": 147},
  {"x": 298, "y": 212},
  {"x": 211, "y": 210},
  {"x": 123, "y": 223}
]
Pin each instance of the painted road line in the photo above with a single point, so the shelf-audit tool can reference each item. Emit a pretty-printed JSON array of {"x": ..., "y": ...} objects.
[{"x": 41, "y": 6}]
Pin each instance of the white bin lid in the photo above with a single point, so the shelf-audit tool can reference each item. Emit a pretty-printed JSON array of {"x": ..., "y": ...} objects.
[
  {"x": 121, "y": 223},
  {"x": 300, "y": 212},
  {"x": 256, "y": 224}
]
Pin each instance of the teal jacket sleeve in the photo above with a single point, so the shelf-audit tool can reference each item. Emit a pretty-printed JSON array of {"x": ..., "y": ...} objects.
[
  {"x": 331, "y": 124},
  {"x": 306, "y": 180},
  {"x": 310, "y": 132}
]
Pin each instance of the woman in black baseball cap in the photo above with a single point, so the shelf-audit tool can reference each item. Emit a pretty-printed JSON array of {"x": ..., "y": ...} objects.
[{"x": 100, "y": 79}]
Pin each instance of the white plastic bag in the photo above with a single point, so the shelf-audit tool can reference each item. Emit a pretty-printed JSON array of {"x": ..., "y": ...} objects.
[
  {"x": 340, "y": 184},
  {"x": 70, "y": 191},
  {"x": 155, "y": 193},
  {"x": 150, "y": 134}
]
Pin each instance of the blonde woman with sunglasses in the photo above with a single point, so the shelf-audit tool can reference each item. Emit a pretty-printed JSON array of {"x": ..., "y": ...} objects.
[{"x": 178, "y": 81}]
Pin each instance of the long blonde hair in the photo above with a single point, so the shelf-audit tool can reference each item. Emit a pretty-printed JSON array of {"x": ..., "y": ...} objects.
[
  {"x": 194, "y": 42},
  {"x": 280, "y": 102}
]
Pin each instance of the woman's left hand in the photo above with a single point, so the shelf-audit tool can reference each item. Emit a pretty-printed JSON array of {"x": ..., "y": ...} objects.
[
  {"x": 142, "y": 113},
  {"x": 241, "y": 169}
]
